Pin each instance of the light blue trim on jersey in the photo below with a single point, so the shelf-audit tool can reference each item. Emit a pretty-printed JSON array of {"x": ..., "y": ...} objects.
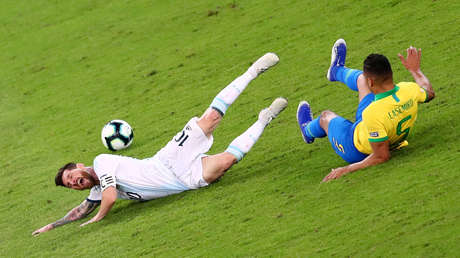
[
  {"x": 146, "y": 193},
  {"x": 219, "y": 104},
  {"x": 138, "y": 188},
  {"x": 235, "y": 151}
]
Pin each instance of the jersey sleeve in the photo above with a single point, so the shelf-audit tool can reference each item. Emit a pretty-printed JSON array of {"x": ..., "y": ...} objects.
[
  {"x": 375, "y": 128},
  {"x": 421, "y": 95},
  {"x": 104, "y": 166},
  {"x": 95, "y": 194}
]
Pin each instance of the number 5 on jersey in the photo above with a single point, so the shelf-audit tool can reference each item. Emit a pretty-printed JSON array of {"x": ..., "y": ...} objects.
[{"x": 404, "y": 132}]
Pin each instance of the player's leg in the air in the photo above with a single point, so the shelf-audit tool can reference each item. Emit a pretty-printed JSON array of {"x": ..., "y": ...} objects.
[
  {"x": 215, "y": 166},
  {"x": 317, "y": 128},
  {"x": 337, "y": 71},
  {"x": 184, "y": 154},
  {"x": 354, "y": 79},
  {"x": 213, "y": 115},
  {"x": 338, "y": 129}
]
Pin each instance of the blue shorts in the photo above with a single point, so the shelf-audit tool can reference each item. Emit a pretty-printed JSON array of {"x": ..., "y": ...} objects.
[{"x": 341, "y": 131}]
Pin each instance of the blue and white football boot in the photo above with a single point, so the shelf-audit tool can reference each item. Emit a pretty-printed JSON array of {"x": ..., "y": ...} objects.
[
  {"x": 338, "y": 55},
  {"x": 304, "y": 116}
]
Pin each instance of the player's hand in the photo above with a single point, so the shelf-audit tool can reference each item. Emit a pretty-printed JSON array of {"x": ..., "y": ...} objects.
[
  {"x": 92, "y": 220},
  {"x": 412, "y": 62},
  {"x": 86, "y": 223},
  {"x": 41, "y": 230},
  {"x": 336, "y": 173}
]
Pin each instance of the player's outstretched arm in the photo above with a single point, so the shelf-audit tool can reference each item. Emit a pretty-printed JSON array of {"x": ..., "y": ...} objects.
[
  {"x": 380, "y": 154},
  {"x": 412, "y": 64},
  {"x": 76, "y": 213},
  {"x": 109, "y": 196}
]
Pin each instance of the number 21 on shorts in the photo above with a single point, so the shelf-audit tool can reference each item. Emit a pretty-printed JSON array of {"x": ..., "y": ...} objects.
[{"x": 182, "y": 138}]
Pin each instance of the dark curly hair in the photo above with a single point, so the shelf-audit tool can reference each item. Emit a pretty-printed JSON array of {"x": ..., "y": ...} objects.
[
  {"x": 58, "y": 178},
  {"x": 378, "y": 66}
]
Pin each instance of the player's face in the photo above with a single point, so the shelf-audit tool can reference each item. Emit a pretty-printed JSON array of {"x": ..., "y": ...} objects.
[{"x": 78, "y": 179}]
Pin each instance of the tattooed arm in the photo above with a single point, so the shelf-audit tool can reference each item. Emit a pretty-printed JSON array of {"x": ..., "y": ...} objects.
[{"x": 76, "y": 213}]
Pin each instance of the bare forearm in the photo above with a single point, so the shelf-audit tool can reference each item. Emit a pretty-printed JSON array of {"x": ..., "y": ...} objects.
[
  {"x": 76, "y": 213},
  {"x": 370, "y": 160},
  {"x": 103, "y": 211},
  {"x": 109, "y": 196},
  {"x": 423, "y": 81},
  {"x": 412, "y": 64}
]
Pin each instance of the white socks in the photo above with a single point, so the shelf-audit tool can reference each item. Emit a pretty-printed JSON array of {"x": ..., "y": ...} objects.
[
  {"x": 230, "y": 93},
  {"x": 243, "y": 143}
]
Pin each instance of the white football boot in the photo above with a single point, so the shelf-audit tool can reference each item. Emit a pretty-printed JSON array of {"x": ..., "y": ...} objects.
[
  {"x": 268, "y": 114},
  {"x": 263, "y": 64}
]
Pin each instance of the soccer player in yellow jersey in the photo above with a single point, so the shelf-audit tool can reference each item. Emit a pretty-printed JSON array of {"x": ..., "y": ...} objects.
[{"x": 385, "y": 114}]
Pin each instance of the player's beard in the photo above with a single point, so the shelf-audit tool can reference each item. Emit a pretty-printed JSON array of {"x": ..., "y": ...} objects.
[{"x": 89, "y": 178}]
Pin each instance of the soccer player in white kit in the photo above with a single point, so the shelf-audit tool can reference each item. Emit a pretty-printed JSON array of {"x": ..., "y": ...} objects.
[{"x": 179, "y": 166}]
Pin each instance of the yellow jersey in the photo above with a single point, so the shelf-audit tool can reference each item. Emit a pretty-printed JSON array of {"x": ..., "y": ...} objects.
[{"x": 389, "y": 117}]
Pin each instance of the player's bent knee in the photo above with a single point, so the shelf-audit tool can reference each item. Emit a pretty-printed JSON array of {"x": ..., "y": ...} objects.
[
  {"x": 214, "y": 115},
  {"x": 326, "y": 117},
  {"x": 228, "y": 162},
  {"x": 209, "y": 121},
  {"x": 211, "y": 115}
]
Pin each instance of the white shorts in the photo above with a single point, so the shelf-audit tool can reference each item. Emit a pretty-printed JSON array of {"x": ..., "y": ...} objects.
[{"x": 182, "y": 155}]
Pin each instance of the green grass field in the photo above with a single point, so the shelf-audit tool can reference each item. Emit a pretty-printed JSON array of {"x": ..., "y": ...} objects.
[{"x": 67, "y": 67}]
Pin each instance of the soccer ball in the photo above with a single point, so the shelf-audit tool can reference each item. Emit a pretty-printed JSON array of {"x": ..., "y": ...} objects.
[{"x": 117, "y": 135}]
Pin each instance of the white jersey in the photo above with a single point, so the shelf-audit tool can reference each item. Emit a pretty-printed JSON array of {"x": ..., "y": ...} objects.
[
  {"x": 175, "y": 168},
  {"x": 134, "y": 179}
]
